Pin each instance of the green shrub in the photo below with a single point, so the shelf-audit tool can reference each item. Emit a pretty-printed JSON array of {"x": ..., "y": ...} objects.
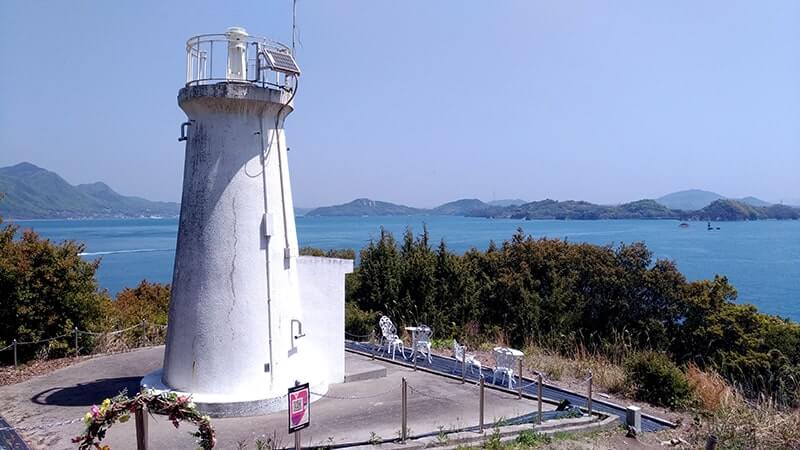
[
  {"x": 357, "y": 322},
  {"x": 657, "y": 380},
  {"x": 342, "y": 253},
  {"x": 147, "y": 301},
  {"x": 532, "y": 439},
  {"x": 46, "y": 290}
]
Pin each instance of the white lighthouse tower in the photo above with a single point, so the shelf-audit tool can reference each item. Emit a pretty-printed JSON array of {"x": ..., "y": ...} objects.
[{"x": 248, "y": 317}]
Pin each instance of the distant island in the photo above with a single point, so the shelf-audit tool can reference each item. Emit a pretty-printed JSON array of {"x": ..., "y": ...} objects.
[
  {"x": 31, "y": 192},
  {"x": 694, "y": 199},
  {"x": 719, "y": 209}
]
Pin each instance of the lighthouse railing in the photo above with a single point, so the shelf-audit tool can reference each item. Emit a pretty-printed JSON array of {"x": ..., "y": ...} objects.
[{"x": 208, "y": 61}]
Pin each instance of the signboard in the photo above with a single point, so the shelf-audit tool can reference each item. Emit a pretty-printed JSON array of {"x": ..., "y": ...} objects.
[{"x": 299, "y": 407}]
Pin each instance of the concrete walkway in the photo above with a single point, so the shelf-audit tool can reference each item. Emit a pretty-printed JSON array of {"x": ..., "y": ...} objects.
[
  {"x": 351, "y": 412},
  {"x": 449, "y": 366}
]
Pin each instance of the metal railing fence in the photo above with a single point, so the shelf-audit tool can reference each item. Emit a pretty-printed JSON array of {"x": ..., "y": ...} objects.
[
  {"x": 207, "y": 62},
  {"x": 103, "y": 342}
]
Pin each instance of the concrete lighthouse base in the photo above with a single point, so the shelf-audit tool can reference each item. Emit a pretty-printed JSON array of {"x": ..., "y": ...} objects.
[
  {"x": 221, "y": 406},
  {"x": 321, "y": 290}
]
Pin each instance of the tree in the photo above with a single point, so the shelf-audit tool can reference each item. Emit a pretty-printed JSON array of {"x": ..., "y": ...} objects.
[
  {"x": 564, "y": 295},
  {"x": 46, "y": 290},
  {"x": 377, "y": 279},
  {"x": 146, "y": 302}
]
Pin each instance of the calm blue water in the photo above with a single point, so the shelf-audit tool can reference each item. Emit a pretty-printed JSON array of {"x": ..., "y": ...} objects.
[{"x": 762, "y": 259}]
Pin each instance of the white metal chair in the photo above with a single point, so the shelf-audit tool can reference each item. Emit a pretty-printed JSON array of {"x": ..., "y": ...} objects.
[
  {"x": 504, "y": 361},
  {"x": 422, "y": 341},
  {"x": 389, "y": 337},
  {"x": 461, "y": 355}
]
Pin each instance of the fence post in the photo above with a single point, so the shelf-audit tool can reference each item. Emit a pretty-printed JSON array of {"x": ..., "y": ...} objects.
[
  {"x": 591, "y": 380},
  {"x": 480, "y": 420},
  {"x": 711, "y": 442},
  {"x": 76, "y": 342},
  {"x": 14, "y": 343},
  {"x": 539, "y": 397},
  {"x": 141, "y": 429},
  {"x": 372, "y": 342},
  {"x": 144, "y": 333},
  {"x": 519, "y": 387},
  {"x": 633, "y": 418},
  {"x": 463, "y": 365},
  {"x": 404, "y": 413}
]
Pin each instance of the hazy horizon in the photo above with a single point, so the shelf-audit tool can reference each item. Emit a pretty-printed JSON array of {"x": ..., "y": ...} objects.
[
  {"x": 793, "y": 202},
  {"x": 422, "y": 103}
]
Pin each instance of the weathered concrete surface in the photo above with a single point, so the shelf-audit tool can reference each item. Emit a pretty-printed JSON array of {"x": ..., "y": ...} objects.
[
  {"x": 361, "y": 369},
  {"x": 235, "y": 308},
  {"x": 68, "y": 393},
  {"x": 433, "y": 402},
  {"x": 248, "y": 317},
  {"x": 321, "y": 282}
]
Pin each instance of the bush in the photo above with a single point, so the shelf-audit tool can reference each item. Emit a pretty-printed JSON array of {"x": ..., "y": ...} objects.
[
  {"x": 341, "y": 253},
  {"x": 46, "y": 290},
  {"x": 147, "y": 301},
  {"x": 532, "y": 439},
  {"x": 357, "y": 322},
  {"x": 657, "y": 380}
]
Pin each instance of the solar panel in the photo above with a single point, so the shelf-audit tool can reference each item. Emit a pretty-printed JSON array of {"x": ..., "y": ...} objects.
[{"x": 281, "y": 62}]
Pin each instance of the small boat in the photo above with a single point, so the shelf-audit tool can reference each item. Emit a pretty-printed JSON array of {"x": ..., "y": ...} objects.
[{"x": 684, "y": 225}]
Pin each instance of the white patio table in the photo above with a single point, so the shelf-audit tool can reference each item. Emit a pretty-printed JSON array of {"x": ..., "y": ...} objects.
[
  {"x": 416, "y": 332},
  {"x": 514, "y": 352},
  {"x": 413, "y": 331}
]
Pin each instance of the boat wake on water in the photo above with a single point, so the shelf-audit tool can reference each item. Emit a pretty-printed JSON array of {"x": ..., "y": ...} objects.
[{"x": 137, "y": 250}]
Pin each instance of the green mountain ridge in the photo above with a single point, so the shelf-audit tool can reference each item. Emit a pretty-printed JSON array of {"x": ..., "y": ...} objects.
[
  {"x": 696, "y": 199},
  {"x": 461, "y": 207},
  {"x": 366, "y": 207},
  {"x": 718, "y": 210},
  {"x": 507, "y": 202},
  {"x": 31, "y": 192}
]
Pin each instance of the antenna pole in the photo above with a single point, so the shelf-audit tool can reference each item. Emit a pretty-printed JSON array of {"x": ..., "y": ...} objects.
[{"x": 294, "y": 23}]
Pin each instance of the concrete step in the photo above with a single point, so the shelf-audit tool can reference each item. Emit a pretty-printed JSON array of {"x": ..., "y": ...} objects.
[{"x": 359, "y": 369}]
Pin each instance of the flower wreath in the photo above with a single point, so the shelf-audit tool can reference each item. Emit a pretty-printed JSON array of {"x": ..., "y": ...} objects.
[{"x": 119, "y": 409}]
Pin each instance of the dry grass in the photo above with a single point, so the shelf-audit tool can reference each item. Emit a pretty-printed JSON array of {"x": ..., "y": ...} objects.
[
  {"x": 113, "y": 342},
  {"x": 742, "y": 424},
  {"x": 737, "y": 422},
  {"x": 607, "y": 375},
  {"x": 10, "y": 375},
  {"x": 709, "y": 388}
]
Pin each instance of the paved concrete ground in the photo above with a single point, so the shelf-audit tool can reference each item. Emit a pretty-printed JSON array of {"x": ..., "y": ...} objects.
[{"x": 433, "y": 402}]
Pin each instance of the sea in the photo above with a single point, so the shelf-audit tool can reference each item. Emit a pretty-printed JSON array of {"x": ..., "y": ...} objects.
[{"x": 760, "y": 258}]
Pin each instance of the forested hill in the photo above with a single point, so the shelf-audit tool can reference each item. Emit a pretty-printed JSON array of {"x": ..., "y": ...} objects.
[
  {"x": 366, "y": 207},
  {"x": 719, "y": 210},
  {"x": 694, "y": 199},
  {"x": 578, "y": 210},
  {"x": 31, "y": 192}
]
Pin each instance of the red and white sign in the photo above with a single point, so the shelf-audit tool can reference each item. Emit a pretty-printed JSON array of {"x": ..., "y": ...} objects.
[{"x": 299, "y": 407}]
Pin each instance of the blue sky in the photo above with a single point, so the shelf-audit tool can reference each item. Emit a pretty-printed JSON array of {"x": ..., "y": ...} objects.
[{"x": 422, "y": 102}]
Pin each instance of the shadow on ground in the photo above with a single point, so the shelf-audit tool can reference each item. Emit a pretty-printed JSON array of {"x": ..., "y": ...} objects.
[{"x": 87, "y": 394}]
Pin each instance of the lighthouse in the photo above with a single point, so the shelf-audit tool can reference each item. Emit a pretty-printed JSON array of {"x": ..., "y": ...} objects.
[{"x": 249, "y": 317}]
